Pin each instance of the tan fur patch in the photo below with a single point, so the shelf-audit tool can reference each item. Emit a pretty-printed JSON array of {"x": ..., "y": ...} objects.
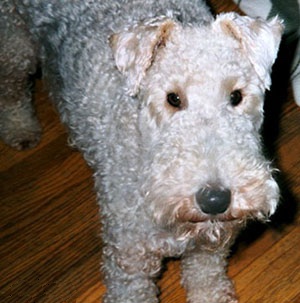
[
  {"x": 162, "y": 37},
  {"x": 231, "y": 30}
]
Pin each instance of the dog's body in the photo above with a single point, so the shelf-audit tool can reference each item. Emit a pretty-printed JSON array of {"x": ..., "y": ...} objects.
[{"x": 173, "y": 135}]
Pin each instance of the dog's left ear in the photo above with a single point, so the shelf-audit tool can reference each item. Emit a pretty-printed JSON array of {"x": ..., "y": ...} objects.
[
  {"x": 134, "y": 50},
  {"x": 259, "y": 39}
]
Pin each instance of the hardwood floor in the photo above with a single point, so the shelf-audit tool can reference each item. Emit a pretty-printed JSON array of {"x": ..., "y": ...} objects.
[{"x": 50, "y": 250}]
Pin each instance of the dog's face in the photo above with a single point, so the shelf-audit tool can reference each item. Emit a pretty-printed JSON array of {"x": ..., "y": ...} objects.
[{"x": 201, "y": 92}]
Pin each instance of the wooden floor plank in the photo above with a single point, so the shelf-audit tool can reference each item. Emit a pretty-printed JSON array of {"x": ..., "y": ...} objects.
[{"x": 266, "y": 275}]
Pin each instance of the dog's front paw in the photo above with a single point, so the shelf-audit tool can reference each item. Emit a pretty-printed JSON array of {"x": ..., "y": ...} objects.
[
  {"x": 19, "y": 126},
  {"x": 24, "y": 140}
]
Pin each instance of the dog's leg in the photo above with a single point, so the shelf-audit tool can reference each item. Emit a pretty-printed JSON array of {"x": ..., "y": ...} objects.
[
  {"x": 129, "y": 274},
  {"x": 204, "y": 277},
  {"x": 19, "y": 127}
]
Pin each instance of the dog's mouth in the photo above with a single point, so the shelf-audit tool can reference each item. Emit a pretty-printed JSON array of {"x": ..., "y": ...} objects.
[
  {"x": 212, "y": 230},
  {"x": 195, "y": 215}
]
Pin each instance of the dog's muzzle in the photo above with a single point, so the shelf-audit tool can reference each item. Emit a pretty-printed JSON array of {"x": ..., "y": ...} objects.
[{"x": 212, "y": 200}]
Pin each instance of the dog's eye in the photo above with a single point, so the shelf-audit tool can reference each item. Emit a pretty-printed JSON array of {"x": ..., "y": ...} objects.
[
  {"x": 174, "y": 100},
  {"x": 236, "y": 97}
]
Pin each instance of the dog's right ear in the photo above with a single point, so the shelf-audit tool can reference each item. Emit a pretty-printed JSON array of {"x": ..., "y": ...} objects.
[
  {"x": 134, "y": 50},
  {"x": 259, "y": 39}
]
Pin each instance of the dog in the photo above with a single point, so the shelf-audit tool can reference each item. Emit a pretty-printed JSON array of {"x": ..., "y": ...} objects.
[{"x": 165, "y": 102}]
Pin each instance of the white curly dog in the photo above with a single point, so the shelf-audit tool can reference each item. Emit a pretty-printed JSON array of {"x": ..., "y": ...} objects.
[{"x": 166, "y": 102}]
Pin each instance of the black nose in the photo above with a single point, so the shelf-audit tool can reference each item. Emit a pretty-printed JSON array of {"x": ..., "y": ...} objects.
[{"x": 213, "y": 201}]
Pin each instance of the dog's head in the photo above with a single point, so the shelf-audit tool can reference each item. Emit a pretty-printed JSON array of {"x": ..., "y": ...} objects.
[{"x": 201, "y": 91}]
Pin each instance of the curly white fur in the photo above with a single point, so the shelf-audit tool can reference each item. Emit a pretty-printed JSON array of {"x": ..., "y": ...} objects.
[{"x": 110, "y": 67}]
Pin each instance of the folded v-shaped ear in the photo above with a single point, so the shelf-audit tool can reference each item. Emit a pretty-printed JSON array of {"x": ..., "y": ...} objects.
[
  {"x": 259, "y": 39},
  {"x": 134, "y": 50}
]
